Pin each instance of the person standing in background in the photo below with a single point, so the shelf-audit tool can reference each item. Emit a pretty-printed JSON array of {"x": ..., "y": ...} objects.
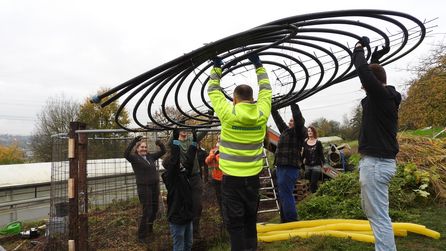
[
  {"x": 313, "y": 155},
  {"x": 147, "y": 182}
]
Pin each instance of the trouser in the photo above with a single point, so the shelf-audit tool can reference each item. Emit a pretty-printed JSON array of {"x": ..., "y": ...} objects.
[
  {"x": 197, "y": 201},
  {"x": 240, "y": 201},
  {"x": 217, "y": 187},
  {"x": 313, "y": 173},
  {"x": 286, "y": 180},
  {"x": 374, "y": 176},
  {"x": 182, "y": 236},
  {"x": 148, "y": 197}
]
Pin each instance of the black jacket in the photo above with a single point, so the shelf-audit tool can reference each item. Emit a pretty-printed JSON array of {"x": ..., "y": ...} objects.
[
  {"x": 179, "y": 191},
  {"x": 377, "y": 136},
  {"x": 288, "y": 151},
  {"x": 313, "y": 155},
  {"x": 144, "y": 168}
]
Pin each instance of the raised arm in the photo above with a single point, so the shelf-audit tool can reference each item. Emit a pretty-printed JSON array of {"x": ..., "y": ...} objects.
[
  {"x": 368, "y": 80},
  {"x": 221, "y": 106},
  {"x": 265, "y": 91},
  {"x": 129, "y": 153},
  {"x": 281, "y": 125},
  {"x": 299, "y": 122},
  {"x": 162, "y": 150}
]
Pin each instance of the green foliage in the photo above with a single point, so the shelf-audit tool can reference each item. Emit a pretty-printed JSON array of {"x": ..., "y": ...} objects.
[
  {"x": 97, "y": 117},
  {"x": 425, "y": 103},
  {"x": 354, "y": 159},
  {"x": 326, "y": 127},
  {"x": 340, "y": 197},
  {"x": 11, "y": 155},
  {"x": 94, "y": 116},
  {"x": 430, "y": 132},
  {"x": 337, "y": 198}
]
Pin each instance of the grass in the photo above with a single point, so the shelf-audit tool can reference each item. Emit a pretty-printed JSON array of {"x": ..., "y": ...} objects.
[
  {"x": 432, "y": 217},
  {"x": 120, "y": 235},
  {"x": 427, "y": 132}
]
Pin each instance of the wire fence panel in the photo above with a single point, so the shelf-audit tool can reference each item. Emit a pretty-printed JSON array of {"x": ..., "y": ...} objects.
[{"x": 110, "y": 185}]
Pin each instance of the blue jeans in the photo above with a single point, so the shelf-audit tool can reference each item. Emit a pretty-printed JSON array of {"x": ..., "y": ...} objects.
[
  {"x": 286, "y": 180},
  {"x": 182, "y": 236},
  {"x": 374, "y": 176}
]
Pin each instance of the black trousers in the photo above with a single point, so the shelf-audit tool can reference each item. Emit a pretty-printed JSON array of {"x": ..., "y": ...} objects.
[
  {"x": 240, "y": 201},
  {"x": 197, "y": 201},
  {"x": 217, "y": 187},
  {"x": 148, "y": 197}
]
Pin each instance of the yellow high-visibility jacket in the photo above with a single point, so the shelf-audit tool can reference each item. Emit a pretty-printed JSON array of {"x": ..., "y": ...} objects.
[{"x": 243, "y": 126}]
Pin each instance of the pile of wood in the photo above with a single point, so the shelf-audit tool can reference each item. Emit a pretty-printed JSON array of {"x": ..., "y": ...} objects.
[{"x": 302, "y": 189}]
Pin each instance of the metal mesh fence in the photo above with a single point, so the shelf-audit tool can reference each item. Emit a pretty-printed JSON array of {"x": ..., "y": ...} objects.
[
  {"x": 57, "y": 230},
  {"x": 110, "y": 185}
]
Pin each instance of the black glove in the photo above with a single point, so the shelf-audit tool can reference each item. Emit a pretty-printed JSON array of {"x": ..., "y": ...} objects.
[
  {"x": 158, "y": 142},
  {"x": 255, "y": 60},
  {"x": 211, "y": 112},
  {"x": 176, "y": 134},
  {"x": 138, "y": 138},
  {"x": 364, "y": 41},
  {"x": 377, "y": 54},
  {"x": 194, "y": 135},
  {"x": 218, "y": 62}
]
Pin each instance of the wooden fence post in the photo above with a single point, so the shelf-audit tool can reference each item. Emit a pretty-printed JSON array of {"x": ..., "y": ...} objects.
[
  {"x": 83, "y": 188},
  {"x": 73, "y": 194}
]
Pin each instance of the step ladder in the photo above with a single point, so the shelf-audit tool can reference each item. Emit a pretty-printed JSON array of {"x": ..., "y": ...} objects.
[{"x": 267, "y": 192}]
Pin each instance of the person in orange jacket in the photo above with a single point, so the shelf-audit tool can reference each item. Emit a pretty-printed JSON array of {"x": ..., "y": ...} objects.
[{"x": 217, "y": 175}]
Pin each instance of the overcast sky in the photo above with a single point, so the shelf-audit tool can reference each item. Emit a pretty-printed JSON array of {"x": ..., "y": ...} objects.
[{"x": 73, "y": 48}]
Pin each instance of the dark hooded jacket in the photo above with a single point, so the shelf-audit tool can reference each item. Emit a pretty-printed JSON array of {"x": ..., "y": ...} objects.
[
  {"x": 377, "y": 136},
  {"x": 179, "y": 191}
]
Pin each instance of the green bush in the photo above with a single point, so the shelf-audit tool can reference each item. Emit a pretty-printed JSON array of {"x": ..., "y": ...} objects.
[
  {"x": 340, "y": 197},
  {"x": 337, "y": 198}
]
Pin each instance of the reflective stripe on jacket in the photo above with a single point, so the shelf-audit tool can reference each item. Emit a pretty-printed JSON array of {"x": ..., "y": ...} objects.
[{"x": 243, "y": 126}]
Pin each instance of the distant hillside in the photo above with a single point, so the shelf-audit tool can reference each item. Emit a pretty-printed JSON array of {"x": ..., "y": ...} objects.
[{"x": 22, "y": 141}]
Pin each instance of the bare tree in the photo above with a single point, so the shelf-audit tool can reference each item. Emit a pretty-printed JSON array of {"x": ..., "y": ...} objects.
[{"x": 54, "y": 118}]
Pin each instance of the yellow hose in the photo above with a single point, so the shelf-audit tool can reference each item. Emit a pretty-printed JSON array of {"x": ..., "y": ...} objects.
[
  {"x": 355, "y": 229},
  {"x": 299, "y": 224},
  {"x": 416, "y": 228},
  {"x": 340, "y": 234}
]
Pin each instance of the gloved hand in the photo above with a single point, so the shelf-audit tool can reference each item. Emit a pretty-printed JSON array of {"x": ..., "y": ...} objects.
[
  {"x": 255, "y": 60},
  {"x": 377, "y": 54},
  {"x": 138, "y": 138},
  {"x": 218, "y": 62},
  {"x": 364, "y": 41},
  {"x": 194, "y": 135},
  {"x": 176, "y": 134},
  {"x": 211, "y": 112},
  {"x": 158, "y": 142}
]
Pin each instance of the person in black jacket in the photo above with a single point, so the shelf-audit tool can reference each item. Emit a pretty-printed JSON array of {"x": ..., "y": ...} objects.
[
  {"x": 179, "y": 192},
  {"x": 378, "y": 145},
  {"x": 147, "y": 182},
  {"x": 313, "y": 155},
  {"x": 288, "y": 160}
]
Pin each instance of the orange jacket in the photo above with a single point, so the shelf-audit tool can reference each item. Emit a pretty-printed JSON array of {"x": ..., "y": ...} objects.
[{"x": 212, "y": 162}]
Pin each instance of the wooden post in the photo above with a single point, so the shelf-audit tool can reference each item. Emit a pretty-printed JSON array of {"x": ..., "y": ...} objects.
[
  {"x": 73, "y": 230},
  {"x": 83, "y": 189}
]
